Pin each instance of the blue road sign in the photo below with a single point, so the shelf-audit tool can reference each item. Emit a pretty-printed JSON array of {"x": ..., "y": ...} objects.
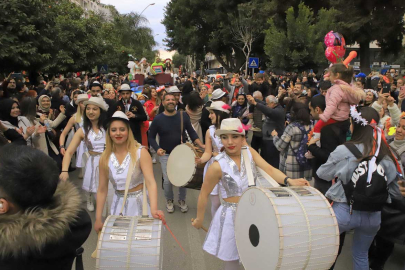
[
  {"x": 103, "y": 69},
  {"x": 253, "y": 62}
]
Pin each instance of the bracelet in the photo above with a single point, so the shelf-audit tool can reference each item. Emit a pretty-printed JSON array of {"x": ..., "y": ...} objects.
[
  {"x": 62, "y": 146},
  {"x": 286, "y": 181}
]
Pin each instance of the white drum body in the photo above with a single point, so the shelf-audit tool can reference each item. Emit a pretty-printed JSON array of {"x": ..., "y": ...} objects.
[
  {"x": 286, "y": 228},
  {"x": 182, "y": 170},
  {"x": 130, "y": 243}
]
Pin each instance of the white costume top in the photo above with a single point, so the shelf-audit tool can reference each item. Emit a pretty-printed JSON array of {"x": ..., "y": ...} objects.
[
  {"x": 215, "y": 140},
  {"x": 95, "y": 143},
  {"x": 118, "y": 177},
  {"x": 216, "y": 148},
  {"x": 220, "y": 240},
  {"x": 118, "y": 173}
]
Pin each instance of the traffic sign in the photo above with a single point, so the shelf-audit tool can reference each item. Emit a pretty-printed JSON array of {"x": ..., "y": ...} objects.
[
  {"x": 253, "y": 62},
  {"x": 103, "y": 69}
]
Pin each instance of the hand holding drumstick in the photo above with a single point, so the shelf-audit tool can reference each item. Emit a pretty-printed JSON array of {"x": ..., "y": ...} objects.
[{"x": 197, "y": 224}]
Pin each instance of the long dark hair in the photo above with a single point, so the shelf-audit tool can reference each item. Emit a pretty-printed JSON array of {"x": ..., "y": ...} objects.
[
  {"x": 365, "y": 135},
  {"x": 28, "y": 108},
  {"x": 300, "y": 113},
  {"x": 220, "y": 115},
  {"x": 87, "y": 123},
  {"x": 194, "y": 101}
]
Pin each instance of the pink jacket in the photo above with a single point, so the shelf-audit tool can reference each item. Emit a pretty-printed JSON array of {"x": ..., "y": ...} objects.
[{"x": 338, "y": 100}]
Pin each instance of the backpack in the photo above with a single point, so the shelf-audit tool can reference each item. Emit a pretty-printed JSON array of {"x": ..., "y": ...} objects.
[
  {"x": 363, "y": 195},
  {"x": 302, "y": 149}
]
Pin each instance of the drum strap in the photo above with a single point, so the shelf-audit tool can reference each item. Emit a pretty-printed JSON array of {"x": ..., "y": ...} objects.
[
  {"x": 129, "y": 176},
  {"x": 248, "y": 167}
]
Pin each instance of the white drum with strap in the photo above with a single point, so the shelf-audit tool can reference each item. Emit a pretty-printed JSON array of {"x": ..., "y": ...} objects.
[
  {"x": 285, "y": 227},
  {"x": 128, "y": 242}
]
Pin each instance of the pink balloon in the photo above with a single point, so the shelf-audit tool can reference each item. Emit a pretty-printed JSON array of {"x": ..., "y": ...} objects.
[{"x": 329, "y": 39}]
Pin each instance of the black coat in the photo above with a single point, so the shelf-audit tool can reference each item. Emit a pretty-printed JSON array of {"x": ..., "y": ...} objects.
[
  {"x": 205, "y": 121},
  {"x": 140, "y": 116},
  {"x": 47, "y": 238},
  {"x": 332, "y": 136}
]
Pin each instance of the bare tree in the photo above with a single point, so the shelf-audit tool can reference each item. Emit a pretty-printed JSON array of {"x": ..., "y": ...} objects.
[{"x": 244, "y": 34}]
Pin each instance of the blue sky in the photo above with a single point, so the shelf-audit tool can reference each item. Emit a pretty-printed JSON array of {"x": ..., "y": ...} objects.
[{"x": 153, "y": 13}]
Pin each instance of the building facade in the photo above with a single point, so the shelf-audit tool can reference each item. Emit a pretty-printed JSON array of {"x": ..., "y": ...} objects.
[{"x": 95, "y": 6}]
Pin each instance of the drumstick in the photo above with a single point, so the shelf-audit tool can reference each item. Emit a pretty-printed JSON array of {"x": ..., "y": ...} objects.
[
  {"x": 202, "y": 227},
  {"x": 94, "y": 254}
]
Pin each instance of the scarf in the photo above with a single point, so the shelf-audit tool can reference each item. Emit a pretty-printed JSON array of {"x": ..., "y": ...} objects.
[
  {"x": 40, "y": 108},
  {"x": 397, "y": 144},
  {"x": 5, "y": 110}
]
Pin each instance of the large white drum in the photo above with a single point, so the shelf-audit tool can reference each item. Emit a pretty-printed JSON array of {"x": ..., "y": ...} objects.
[
  {"x": 182, "y": 170},
  {"x": 285, "y": 228},
  {"x": 130, "y": 243}
]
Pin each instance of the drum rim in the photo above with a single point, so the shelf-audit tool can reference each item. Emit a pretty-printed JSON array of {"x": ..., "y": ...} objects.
[{"x": 194, "y": 170}]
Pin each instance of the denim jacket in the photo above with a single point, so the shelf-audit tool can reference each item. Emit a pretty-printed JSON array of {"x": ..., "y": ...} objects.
[{"x": 342, "y": 163}]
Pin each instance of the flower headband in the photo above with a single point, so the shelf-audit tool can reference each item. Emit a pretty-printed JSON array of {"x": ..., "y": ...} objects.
[
  {"x": 356, "y": 115},
  {"x": 372, "y": 91},
  {"x": 161, "y": 88}
]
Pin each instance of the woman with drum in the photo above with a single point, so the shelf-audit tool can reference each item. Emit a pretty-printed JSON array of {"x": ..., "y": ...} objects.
[
  {"x": 361, "y": 215},
  {"x": 75, "y": 121},
  {"x": 213, "y": 145},
  {"x": 229, "y": 171},
  {"x": 121, "y": 152},
  {"x": 93, "y": 135}
]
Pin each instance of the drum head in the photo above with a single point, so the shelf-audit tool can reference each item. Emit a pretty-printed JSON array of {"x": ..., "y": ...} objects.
[
  {"x": 257, "y": 231},
  {"x": 181, "y": 165}
]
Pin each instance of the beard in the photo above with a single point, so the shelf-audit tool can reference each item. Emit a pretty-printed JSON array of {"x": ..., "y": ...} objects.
[{"x": 170, "y": 109}]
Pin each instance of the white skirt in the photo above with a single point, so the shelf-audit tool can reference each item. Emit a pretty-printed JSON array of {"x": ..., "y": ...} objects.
[
  {"x": 133, "y": 205},
  {"x": 91, "y": 174},
  {"x": 220, "y": 240},
  {"x": 80, "y": 160},
  {"x": 215, "y": 191}
]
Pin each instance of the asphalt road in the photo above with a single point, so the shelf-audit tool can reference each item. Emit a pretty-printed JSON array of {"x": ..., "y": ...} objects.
[{"x": 192, "y": 239}]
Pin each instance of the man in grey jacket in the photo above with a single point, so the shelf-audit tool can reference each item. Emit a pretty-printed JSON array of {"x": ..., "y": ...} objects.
[
  {"x": 275, "y": 119},
  {"x": 241, "y": 87}
]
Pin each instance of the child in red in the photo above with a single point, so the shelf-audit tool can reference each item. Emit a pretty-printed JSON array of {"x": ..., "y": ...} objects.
[{"x": 338, "y": 98}]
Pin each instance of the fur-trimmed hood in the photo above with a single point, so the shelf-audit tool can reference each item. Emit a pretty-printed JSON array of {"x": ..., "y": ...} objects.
[
  {"x": 31, "y": 230},
  {"x": 352, "y": 94}
]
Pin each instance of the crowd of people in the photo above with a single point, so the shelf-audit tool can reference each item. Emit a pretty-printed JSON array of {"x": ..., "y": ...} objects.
[{"x": 303, "y": 128}]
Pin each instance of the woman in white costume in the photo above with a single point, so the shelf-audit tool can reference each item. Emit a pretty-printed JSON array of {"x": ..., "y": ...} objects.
[
  {"x": 123, "y": 151},
  {"x": 93, "y": 135},
  {"x": 218, "y": 111},
  {"x": 229, "y": 171},
  {"x": 75, "y": 121}
]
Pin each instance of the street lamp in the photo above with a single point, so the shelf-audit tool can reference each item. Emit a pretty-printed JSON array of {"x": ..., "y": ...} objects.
[{"x": 146, "y": 8}]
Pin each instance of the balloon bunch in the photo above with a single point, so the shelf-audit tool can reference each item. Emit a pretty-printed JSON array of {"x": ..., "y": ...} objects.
[{"x": 335, "y": 44}]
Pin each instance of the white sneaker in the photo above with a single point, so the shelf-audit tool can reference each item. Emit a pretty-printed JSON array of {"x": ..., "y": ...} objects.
[
  {"x": 169, "y": 206},
  {"x": 154, "y": 160},
  {"x": 183, "y": 206},
  {"x": 90, "y": 204}
]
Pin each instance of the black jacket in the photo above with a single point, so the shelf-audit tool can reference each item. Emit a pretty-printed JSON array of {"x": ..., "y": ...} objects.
[
  {"x": 46, "y": 238},
  {"x": 275, "y": 120},
  {"x": 140, "y": 116},
  {"x": 205, "y": 121},
  {"x": 331, "y": 137}
]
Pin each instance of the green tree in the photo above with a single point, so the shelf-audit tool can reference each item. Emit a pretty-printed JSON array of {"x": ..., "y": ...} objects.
[
  {"x": 299, "y": 46},
  {"x": 365, "y": 21},
  {"x": 178, "y": 59}
]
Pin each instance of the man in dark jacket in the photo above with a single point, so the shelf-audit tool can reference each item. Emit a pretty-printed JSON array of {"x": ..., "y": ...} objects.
[
  {"x": 133, "y": 109},
  {"x": 42, "y": 223},
  {"x": 331, "y": 137},
  {"x": 275, "y": 119},
  {"x": 257, "y": 117}
]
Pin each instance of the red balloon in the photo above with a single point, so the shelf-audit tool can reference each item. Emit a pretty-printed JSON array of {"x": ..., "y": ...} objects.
[
  {"x": 340, "y": 51},
  {"x": 331, "y": 54},
  {"x": 334, "y": 39}
]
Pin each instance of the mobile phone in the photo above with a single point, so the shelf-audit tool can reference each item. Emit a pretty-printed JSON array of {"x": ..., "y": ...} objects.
[{"x": 386, "y": 88}]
